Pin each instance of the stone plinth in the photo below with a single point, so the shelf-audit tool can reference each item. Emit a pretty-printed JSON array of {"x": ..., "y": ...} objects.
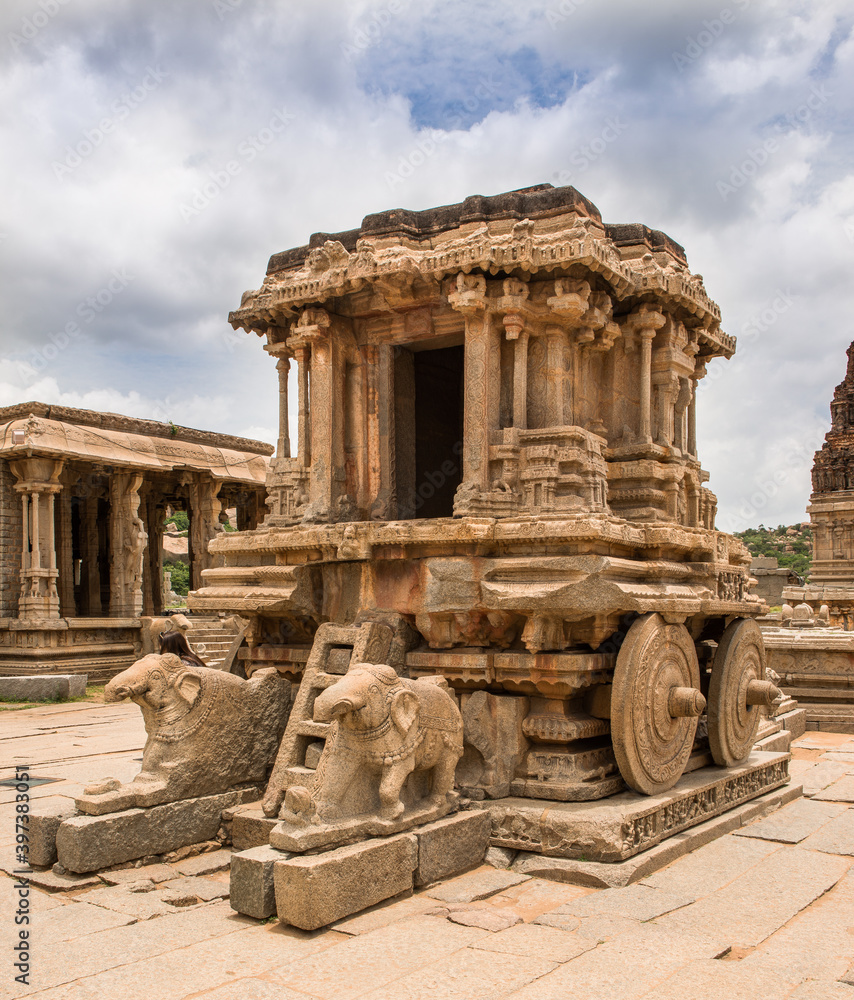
[
  {"x": 87, "y": 843},
  {"x": 314, "y": 891},
  {"x": 816, "y": 666},
  {"x": 629, "y": 823}
]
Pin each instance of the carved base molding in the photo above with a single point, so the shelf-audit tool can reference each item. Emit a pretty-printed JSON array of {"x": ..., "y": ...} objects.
[
  {"x": 628, "y": 823},
  {"x": 99, "y": 647}
]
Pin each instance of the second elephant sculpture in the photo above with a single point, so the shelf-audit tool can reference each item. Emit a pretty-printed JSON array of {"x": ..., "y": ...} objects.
[{"x": 390, "y": 755}]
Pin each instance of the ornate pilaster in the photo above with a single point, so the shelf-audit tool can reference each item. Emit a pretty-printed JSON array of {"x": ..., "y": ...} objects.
[
  {"x": 469, "y": 298},
  {"x": 38, "y": 483},
  {"x": 645, "y": 322},
  {"x": 205, "y": 507},
  {"x": 283, "y": 448},
  {"x": 128, "y": 540}
]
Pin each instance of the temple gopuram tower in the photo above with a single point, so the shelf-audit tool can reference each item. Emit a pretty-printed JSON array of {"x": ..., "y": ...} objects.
[{"x": 831, "y": 512}]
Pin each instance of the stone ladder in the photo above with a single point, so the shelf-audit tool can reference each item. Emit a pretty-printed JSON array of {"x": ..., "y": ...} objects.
[
  {"x": 210, "y": 639},
  {"x": 334, "y": 648}
]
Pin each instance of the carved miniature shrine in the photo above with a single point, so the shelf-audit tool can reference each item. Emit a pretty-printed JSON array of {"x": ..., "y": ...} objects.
[{"x": 496, "y": 483}]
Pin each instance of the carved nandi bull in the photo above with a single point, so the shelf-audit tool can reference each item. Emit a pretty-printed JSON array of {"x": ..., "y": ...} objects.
[{"x": 208, "y": 731}]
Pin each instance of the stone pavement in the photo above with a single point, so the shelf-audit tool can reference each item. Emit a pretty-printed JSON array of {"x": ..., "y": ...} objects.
[{"x": 766, "y": 912}]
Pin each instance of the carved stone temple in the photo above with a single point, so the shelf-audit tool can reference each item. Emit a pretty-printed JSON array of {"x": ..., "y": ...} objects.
[
  {"x": 496, "y": 483},
  {"x": 831, "y": 511},
  {"x": 83, "y": 498}
]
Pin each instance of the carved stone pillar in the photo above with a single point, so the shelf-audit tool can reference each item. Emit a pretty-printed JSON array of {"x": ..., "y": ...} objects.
[
  {"x": 90, "y": 579},
  {"x": 645, "y": 427},
  {"x": 555, "y": 374},
  {"x": 128, "y": 540},
  {"x": 205, "y": 507},
  {"x": 283, "y": 449},
  {"x": 645, "y": 321},
  {"x": 699, "y": 372},
  {"x": 156, "y": 513},
  {"x": 38, "y": 483},
  {"x": 303, "y": 354},
  {"x": 469, "y": 298},
  {"x": 65, "y": 556},
  {"x": 520, "y": 379}
]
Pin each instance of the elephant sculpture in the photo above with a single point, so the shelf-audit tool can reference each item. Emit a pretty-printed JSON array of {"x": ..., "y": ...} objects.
[
  {"x": 208, "y": 731},
  {"x": 391, "y": 737}
]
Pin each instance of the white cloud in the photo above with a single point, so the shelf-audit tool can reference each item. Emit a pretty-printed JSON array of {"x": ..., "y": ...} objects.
[{"x": 163, "y": 340}]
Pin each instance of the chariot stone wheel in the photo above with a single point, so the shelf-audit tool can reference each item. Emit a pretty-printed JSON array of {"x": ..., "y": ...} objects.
[
  {"x": 736, "y": 690},
  {"x": 655, "y": 702}
]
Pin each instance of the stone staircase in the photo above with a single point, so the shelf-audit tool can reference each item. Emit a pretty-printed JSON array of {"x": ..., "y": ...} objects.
[{"x": 209, "y": 638}]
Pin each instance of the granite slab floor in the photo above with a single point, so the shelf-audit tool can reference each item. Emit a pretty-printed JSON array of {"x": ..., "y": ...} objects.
[{"x": 766, "y": 913}]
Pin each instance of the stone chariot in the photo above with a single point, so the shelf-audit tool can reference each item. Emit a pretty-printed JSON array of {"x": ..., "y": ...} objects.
[{"x": 496, "y": 481}]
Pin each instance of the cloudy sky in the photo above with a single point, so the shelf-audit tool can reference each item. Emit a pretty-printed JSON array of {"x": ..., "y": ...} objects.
[{"x": 125, "y": 241}]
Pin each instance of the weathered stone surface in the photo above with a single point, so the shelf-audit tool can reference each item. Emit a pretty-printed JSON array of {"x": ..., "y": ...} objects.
[
  {"x": 835, "y": 837},
  {"x": 251, "y": 889},
  {"x": 60, "y": 883},
  {"x": 79, "y": 918},
  {"x": 467, "y": 973},
  {"x": 711, "y": 867},
  {"x": 138, "y": 899},
  {"x": 641, "y": 902},
  {"x": 87, "y": 843},
  {"x": 489, "y": 919},
  {"x": 558, "y": 920},
  {"x": 204, "y": 864},
  {"x": 842, "y": 790},
  {"x": 213, "y": 731},
  {"x": 494, "y": 742},
  {"x": 536, "y": 941},
  {"x": 480, "y": 884},
  {"x": 793, "y": 823},
  {"x": 383, "y": 958},
  {"x": 627, "y": 824},
  {"x": 251, "y": 828},
  {"x": 385, "y": 913},
  {"x": 756, "y": 904},
  {"x": 154, "y": 873},
  {"x": 451, "y": 845},
  {"x": 206, "y": 889},
  {"x": 314, "y": 891},
  {"x": 795, "y": 722},
  {"x": 45, "y": 817},
  {"x": 821, "y": 775},
  {"x": 500, "y": 857},
  {"x": 626, "y": 967},
  {"x": 50, "y": 687}
]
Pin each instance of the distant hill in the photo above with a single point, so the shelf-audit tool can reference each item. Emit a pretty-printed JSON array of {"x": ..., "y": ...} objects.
[{"x": 791, "y": 544}]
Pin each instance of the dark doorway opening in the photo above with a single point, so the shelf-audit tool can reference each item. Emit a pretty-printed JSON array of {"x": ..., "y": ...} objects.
[{"x": 438, "y": 378}]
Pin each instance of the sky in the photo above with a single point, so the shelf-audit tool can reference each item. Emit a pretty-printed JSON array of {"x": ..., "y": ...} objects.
[{"x": 125, "y": 239}]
